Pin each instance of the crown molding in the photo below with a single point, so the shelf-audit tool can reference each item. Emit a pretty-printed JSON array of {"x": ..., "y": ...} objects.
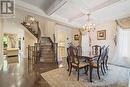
[{"x": 55, "y": 6}]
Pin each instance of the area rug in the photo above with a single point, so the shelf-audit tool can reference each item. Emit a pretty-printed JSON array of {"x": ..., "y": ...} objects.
[{"x": 115, "y": 77}]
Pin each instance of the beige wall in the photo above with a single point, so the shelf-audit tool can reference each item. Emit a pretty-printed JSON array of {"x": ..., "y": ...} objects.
[{"x": 1, "y": 45}]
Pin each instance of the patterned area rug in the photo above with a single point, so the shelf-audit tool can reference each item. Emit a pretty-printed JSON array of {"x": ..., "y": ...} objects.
[{"x": 115, "y": 77}]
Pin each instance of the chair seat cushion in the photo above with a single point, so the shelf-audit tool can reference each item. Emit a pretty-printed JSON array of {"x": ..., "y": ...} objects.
[{"x": 82, "y": 64}]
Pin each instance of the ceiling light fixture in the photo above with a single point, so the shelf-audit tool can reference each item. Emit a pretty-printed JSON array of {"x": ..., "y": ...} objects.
[{"x": 89, "y": 26}]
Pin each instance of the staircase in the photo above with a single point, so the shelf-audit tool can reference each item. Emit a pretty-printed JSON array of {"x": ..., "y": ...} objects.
[{"x": 47, "y": 51}]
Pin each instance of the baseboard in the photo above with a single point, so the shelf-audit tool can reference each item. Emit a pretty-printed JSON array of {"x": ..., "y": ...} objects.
[{"x": 119, "y": 65}]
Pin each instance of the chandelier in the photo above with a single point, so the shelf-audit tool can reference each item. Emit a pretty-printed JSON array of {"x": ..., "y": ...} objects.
[{"x": 89, "y": 26}]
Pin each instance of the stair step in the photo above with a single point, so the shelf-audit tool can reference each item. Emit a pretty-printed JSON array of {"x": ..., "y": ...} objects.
[
  {"x": 46, "y": 56},
  {"x": 46, "y": 60},
  {"x": 46, "y": 47},
  {"x": 47, "y": 52}
]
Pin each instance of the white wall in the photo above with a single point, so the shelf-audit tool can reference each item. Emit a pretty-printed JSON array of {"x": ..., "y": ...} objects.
[
  {"x": 1, "y": 44},
  {"x": 110, "y": 28},
  {"x": 10, "y": 26},
  {"x": 28, "y": 40},
  {"x": 49, "y": 29},
  {"x": 69, "y": 33}
]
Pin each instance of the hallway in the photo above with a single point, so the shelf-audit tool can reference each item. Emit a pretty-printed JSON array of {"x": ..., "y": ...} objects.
[{"x": 22, "y": 75}]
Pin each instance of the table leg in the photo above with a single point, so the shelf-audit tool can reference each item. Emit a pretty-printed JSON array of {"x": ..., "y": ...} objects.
[{"x": 91, "y": 69}]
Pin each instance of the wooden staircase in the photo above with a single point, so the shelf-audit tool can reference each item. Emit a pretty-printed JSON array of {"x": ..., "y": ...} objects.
[
  {"x": 35, "y": 32},
  {"x": 47, "y": 50},
  {"x": 43, "y": 51}
]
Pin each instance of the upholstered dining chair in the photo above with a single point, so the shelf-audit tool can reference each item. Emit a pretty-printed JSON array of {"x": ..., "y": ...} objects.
[
  {"x": 97, "y": 61},
  {"x": 69, "y": 57},
  {"x": 75, "y": 62},
  {"x": 96, "y": 50}
]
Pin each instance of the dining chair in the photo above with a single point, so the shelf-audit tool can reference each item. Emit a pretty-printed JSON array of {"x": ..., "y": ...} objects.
[
  {"x": 75, "y": 62},
  {"x": 97, "y": 61},
  {"x": 96, "y": 50},
  {"x": 69, "y": 52},
  {"x": 106, "y": 58},
  {"x": 103, "y": 57}
]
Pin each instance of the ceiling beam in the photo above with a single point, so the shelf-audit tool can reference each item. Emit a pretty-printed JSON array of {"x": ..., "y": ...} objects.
[
  {"x": 56, "y": 6},
  {"x": 77, "y": 16},
  {"x": 98, "y": 7}
]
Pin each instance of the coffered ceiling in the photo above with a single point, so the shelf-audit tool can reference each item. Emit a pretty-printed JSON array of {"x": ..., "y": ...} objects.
[{"x": 74, "y": 11}]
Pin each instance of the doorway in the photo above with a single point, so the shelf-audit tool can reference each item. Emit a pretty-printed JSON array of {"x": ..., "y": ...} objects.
[{"x": 61, "y": 44}]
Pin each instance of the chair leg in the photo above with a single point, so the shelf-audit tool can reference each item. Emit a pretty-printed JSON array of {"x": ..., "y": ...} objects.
[
  {"x": 86, "y": 70},
  {"x": 78, "y": 74},
  {"x": 106, "y": 66},
  {"x": 102, "y": 69},
  {"x": 68, "y": 64},
  {"x": 106, "y": 63},
  {"x": 70, "y": 70},
  {"x": 98, "y": 73}
]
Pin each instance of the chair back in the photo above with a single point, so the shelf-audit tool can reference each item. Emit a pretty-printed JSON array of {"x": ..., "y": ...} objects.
[
  {"x": 73, "y": 55},
  {"x": 70, "y": 53},
  {"x": 102, "y": 55},
  {"x": 75, "y": 58},
  {"x": 106, "y": 56},
  {"x": 96, "y": 50},
  {"x": 79, "y": 48}
]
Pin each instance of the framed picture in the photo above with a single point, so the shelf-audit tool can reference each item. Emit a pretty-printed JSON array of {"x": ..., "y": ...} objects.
[
  {"x": 76, "y": 37},
  {"x": 101, "y": 35}
]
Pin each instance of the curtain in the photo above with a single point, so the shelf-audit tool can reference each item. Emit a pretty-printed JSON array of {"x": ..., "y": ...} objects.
[
  {"x": 80, "y": 43},
  {"x": 122, "y": 56},
  {"x": 124, "y": 23},
  {"x": 85, "y": 45}
]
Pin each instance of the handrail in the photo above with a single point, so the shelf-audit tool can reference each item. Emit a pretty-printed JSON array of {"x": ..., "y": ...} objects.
[
  {"x": 39, "y": 31},
  {"x": 36, "y": 34}
]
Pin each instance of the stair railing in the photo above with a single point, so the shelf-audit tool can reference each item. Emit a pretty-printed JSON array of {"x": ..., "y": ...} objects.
[
  {"x": 34, "y": 53},
  {"x": 38, "y": 32},
  {"x": 31, "y": 53},
  {"x": 29, "y": 28}
]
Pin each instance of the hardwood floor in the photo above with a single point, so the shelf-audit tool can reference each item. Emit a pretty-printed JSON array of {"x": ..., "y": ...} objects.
[{"x": 24, "y": 74}]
